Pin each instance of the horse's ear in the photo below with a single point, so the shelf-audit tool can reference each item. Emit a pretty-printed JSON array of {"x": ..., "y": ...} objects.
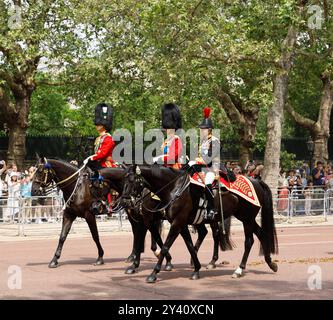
[{"x": 37, "y": 157}]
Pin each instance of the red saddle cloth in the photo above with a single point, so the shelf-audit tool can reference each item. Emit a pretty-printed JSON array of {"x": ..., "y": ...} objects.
[{"x": 242, "y": 186}]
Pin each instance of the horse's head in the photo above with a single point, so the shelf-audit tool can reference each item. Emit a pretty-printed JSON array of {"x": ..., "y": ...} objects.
[
  {"x": 43, "y": 177},
  {"x": 133, "y": 186}
]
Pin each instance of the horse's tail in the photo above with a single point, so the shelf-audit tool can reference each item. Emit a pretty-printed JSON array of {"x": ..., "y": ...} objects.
[
  {"x": 225, "y": 241},
  {"x": 267, "y": 220}
]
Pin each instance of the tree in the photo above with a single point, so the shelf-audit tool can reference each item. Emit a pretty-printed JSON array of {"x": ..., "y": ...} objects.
[
  {"x": 311, "y": 104},
  {"x": 33, "y": 34},
  {"x": 275, "y": 113}
]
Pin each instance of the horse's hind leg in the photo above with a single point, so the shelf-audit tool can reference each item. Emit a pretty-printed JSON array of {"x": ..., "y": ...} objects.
[
  {"x": 259, "y": 233},
  {"x": 91, "y": 220},
  {"x": 216, "y": 234},
  {"x": 248, "y": 231},
  {"x": 67, "y": 222}
]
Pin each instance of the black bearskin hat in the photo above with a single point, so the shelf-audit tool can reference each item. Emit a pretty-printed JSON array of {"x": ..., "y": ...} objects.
[
  {"x": 171, "y": 117},
  {"x": 207, "y": 122},
  {"x": 104, "y": 115}
]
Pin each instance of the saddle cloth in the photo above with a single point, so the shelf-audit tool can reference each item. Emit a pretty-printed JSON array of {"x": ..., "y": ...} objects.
[{"x": 243, "y": 187}]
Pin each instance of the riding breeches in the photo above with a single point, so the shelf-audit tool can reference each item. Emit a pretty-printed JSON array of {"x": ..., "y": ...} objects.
[{"x": 209, "y": 177}]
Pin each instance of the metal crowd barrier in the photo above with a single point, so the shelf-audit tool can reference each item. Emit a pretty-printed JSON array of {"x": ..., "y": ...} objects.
[
  {"x": 20, "y": 211},
  {"x": 314, "y": 201}
]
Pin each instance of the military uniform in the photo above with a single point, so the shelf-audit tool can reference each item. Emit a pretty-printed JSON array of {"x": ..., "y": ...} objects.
[
  {"x": 172, "y": 146},
  {"x": 209, "y": 158}
]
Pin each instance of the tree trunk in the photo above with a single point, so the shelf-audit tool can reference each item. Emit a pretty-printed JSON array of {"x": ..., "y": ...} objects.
[
  {"x": 245, "y": 117},
  {"x": 275, "y": 113},
  {"x": 320, "y": 129},
  {"x": 321, "y": 136},
  {"x": 18, "y": 125},
  {"x": 247, "y": 133}
]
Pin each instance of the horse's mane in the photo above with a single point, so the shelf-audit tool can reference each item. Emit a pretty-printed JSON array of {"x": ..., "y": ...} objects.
[
  {"x": 157, "y": 170},
  {"x": 64, "y": 163}
]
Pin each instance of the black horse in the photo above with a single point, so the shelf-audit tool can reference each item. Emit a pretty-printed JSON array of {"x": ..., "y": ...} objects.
[
  {"x": 180, "y": 199},
  {"x": 79, "y": 196}
]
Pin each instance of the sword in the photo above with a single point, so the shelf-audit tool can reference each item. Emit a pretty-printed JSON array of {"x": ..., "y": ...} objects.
[{"x": 221, "y": 206}]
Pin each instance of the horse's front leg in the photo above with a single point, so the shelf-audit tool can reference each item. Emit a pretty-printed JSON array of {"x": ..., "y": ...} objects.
[
  {"x": 188, "y": 241},
  {"x": 138, "y": 229},
  {"x": 91, "y": 220},
  {"x": 172, "y": 236},
  {"x": 67, "y": 222}
]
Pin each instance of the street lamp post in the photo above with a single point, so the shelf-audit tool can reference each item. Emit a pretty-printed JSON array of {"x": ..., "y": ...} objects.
[{"x": 310, "y": 146}]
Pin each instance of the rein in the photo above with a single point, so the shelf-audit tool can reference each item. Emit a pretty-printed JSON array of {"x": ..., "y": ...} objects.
[{"x": 178, "y": 193}]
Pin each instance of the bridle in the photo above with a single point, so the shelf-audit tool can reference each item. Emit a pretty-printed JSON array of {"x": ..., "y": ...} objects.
[{"x": 143, "y": 183}]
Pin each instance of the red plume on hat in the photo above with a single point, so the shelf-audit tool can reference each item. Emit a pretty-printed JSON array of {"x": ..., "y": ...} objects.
[
  {"x": 207, "y": 122},
  {"x": 207, "y": 111}
]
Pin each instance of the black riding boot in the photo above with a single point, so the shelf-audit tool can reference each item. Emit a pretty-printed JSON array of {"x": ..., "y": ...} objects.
[{"x": 210, "y": 213}]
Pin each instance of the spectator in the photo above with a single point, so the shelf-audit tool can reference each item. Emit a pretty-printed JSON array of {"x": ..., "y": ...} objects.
[
  {"x": 294, "y": 181},
  {"x": 25, "y": 189},
  {"x": 306, "y": 169},
  {"x": 318, "y": 175},
  {"x": 250, "y": 167},
  {"x": 13, "y": 195},
  {"x": 308, "y": 192},
  {"x": 257, "y": 172},
  {"x": 237, "y": 170},
  {"x": 13, "y": 168}
]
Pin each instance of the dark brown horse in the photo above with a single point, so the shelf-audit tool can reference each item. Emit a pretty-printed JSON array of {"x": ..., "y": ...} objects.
[
  {"x": 79, "y": 196},
  {"x": 180, "y": 199}
]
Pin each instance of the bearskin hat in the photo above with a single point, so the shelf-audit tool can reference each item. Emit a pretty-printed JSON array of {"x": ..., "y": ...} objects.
[
  {"x": 171, "y": 117},
  {"x": 207, "y": 122},
  {"x": 104, "y": 115}
]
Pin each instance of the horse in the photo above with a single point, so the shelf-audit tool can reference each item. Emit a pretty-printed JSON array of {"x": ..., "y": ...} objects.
[
  {"x": 78, "y": 195},
  {"x": 180, "y": 199}
]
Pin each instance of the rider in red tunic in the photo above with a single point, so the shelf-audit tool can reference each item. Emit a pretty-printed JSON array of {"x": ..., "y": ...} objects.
[
  {"x": 172, "y": 146},
  {"x": 104, "y": 144}
]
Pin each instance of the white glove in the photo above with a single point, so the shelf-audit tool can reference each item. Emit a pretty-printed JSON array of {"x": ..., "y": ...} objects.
[
  {"x": 85, "y": 161},
  {"x": 155, "y": 159},
  {"x": 191, "y": 163}
]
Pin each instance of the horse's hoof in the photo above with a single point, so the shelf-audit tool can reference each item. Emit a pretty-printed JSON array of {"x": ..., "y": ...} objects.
[
  {"x": 238, "y": 273},
  {"x": 99, "y": 262},
  {"x": 195, "y": 275},
  {"x": 53, "y": 264},
  {"x": 130, "y": 270},
  {"x": 151, "y": 279},
  {"x": 168, "y": 266},
  {"x": 211, "y": 266},
  {"x": 274, "y": 266}
]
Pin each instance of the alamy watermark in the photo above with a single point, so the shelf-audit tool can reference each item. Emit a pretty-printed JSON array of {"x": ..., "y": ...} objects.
[
  {"x": 15, "y": 17},
  {"x": 316, "y": 19},
  {"x": 315, "y": 279},
  {"x": 14, "y": 281}
]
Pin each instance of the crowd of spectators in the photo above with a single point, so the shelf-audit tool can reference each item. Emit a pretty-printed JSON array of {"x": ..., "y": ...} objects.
[{"x": 16, "y": 186}]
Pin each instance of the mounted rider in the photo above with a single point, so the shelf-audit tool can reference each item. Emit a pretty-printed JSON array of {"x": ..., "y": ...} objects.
[
  {"x": 104, "y": 145},
  {"x": 172, "y": 146},
  {"x": 209, "y": 156}
]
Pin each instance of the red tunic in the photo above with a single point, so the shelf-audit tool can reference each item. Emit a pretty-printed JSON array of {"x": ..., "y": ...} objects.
[
  {"x": 104, "y": 146},
  {"x": 172, "y": 152}
]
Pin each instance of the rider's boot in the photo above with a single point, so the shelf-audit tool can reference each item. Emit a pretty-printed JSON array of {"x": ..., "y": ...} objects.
[{"x": 211, "y": 211}]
